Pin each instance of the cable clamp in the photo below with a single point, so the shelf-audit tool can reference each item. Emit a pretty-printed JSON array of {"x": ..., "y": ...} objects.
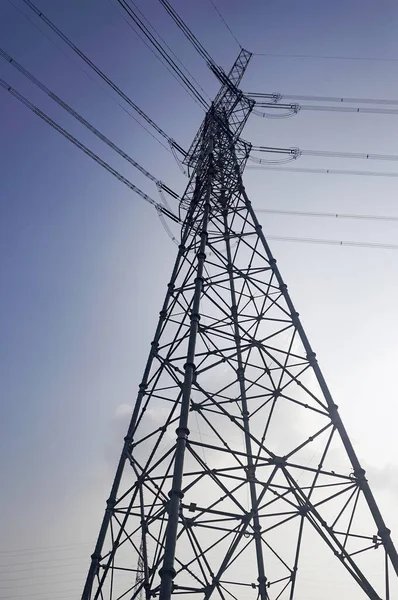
[{"x": 295, "y": 152}]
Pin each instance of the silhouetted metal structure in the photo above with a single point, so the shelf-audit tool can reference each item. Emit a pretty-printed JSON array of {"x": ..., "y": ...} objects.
[{"x": 237, "y": 478}]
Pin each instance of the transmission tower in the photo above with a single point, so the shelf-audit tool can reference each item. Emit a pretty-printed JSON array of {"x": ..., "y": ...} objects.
[{"x": 237, "y": 478}]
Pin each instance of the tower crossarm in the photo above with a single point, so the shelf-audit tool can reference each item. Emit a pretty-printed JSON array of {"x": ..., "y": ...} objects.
[{"x": 229, "y": 101}]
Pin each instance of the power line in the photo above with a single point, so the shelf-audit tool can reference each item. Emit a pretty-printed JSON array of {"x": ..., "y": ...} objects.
[
  {"x": 44, "y": 548},
  {"x": 128, "y": 21},
  {"x": 68, "y": 597},
  {"x": 320, "y": 56},
  {"x": 84, "y": 122},
  {"x": 43, "y": 566},
  {"x": 294, "y": 109},
  {"x": 333, "y": 242},
  {"x": 353, "y": 155},
  {"x": 225, "y": 23},
  {"x": 87, "y": 73},
  {"x": 295, "y": 153},
  {"x": 46, "y": 575},
  {"x": 86, "y": 150},
  {"x": 276, "y": 97},
  {"x": 219, "y": 73},
  {"x": 159, "y": 47},
  {"x": 23, "y": 585},
  {"x": 350, "y": 109},
  {"x": 52, "y": 594},
  {"x": 299, "y": 213},
  {"x": 187, "y": 32},
  {"x": 103, "y": 76},
  {"x": 41, "y": 561},
  {"x": 160, "y": 52},
  {"x": 325, "y": 171}
]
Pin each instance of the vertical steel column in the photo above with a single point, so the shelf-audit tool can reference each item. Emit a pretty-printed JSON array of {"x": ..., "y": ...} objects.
[{"x": 167, "y": 572}]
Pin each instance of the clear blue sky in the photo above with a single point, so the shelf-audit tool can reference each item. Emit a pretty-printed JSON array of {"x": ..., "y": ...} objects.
[{"x": 84, "y": 262}]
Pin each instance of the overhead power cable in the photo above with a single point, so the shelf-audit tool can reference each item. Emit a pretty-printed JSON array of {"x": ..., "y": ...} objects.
[
  {"x": 351, "y": 109},
  {"x": 43, "y": 566},
  {"x": 187, "y": 32},
  {"x": 301, "y": 213},
  {"x": 374, "y": 245},
  {"x": 87, "y": 72},
  {"x": 225, "y": 23},
  {"x": 104, "y": 77},
  {"x": 71, "y": 594},
  {"x": 42, "y": 561},
  {"x": 276, "y": 97},
  {"x": 162, "y": 51},
  {"x": 86, "y": 150},
  {"x": 64, "y": 578},
  {"x": 295, "y": 108},
  {"x": 353, "y": 155},
  {"x": 134, "y": 28},
  {"x": 327, "y": 57},
  {"x": 194, "y": 41},
  {"x": 297, "y": 152},
  {"x": 86, "y": 124},
  {"x": 35, "y": 549},
  {"x": 129, "y": 23},
  {"x": 325, "y": 171}
]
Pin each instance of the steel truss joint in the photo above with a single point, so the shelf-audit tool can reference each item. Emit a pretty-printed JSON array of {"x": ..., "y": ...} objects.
[
  {"x": 384, "y": 533},
  {"x": 110, "y": 504},
  {"x": 251, "y": 474},
  {"x": 278, "y": 461},
  {"x": 189, "y": 523},
  {"x": 174, "y": 492},
  {"x": 201, "y": 280},
  {"x": 311, "y": 357},
  {"x": 240, "y": 372},
  {"x": 96, "y": 557},
  {"x": 295, "y": 318},
  {"x": 304, "y": 510},
  {"x": 182, "y": 432},
  {"x": 190, "y": 365},
  {"x": 167, "y": 570}
]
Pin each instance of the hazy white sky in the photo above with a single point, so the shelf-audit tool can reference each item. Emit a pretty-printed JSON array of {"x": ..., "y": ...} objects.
[{"x": 84, "y": 263}]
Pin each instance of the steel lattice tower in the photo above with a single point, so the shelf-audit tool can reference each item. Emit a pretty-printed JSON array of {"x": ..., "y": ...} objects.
[{"x": 237, "y": 478}]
